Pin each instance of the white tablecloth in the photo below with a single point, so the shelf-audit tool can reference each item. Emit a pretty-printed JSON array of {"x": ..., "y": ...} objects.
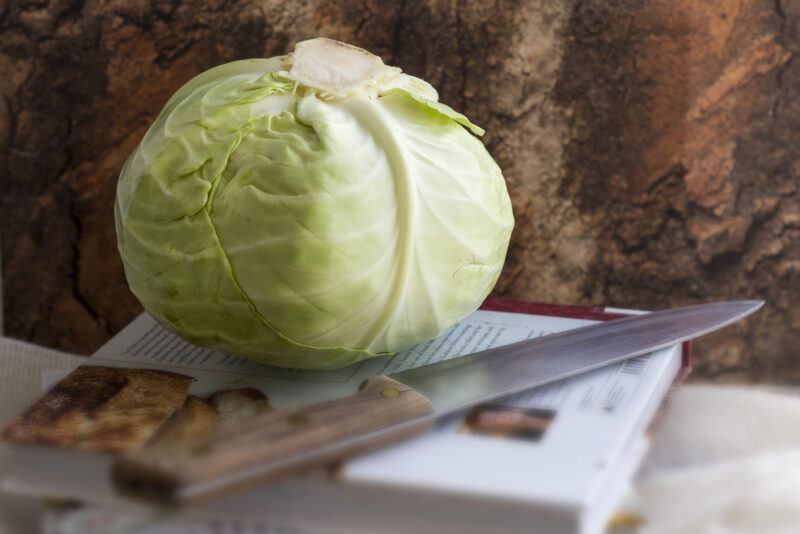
[
  {"x": 724, "y": 459},
  {"x": 21, "y": 366}
]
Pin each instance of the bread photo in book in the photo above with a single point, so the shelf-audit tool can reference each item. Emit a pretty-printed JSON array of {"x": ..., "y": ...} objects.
[
  {"x": 238, "y": 404},
  {"x": 111, "y": 409},
  {"x": 495, "y": 420},
  {"x": 193, "y": 420},
  {"x": 102, "y": 409}
]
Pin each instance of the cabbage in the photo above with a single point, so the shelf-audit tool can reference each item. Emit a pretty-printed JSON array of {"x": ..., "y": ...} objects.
[{"x": 311, "y": 210}]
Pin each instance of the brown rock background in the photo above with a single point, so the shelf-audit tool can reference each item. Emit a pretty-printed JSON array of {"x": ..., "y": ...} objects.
[{"x": 652, "y": 148}]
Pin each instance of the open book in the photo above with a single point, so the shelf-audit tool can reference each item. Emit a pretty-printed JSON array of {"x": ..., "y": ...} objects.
[{"x": 557, "y": 457}]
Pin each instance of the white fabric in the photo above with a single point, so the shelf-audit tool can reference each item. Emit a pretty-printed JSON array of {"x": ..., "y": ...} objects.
[
  {"x": 21, "y": 366},
  {"x": 710, "y": 423},
  {"x": 750, "y": 495},
  {"x": 724, "y": 460}
]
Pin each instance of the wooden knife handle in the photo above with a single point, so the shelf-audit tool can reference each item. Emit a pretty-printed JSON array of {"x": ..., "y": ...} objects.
[{"x": 244, "y": 454}]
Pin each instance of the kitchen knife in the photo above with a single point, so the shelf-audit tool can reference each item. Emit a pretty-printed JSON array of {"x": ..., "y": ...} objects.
[{"x": 389, "y": 409}]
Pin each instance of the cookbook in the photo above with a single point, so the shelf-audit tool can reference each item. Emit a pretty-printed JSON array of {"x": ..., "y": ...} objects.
[{"x": 558, "y": 456}]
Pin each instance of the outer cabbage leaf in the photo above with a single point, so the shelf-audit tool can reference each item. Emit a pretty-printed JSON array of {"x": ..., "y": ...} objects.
[{"x": 305, "y": 232}]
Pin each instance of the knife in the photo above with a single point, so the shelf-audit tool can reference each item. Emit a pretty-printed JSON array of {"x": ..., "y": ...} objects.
[{"x": 390, "y": 409}]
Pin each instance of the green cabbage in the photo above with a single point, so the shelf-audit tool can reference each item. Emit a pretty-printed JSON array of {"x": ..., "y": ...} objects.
[{"x": 311, "y": 210}]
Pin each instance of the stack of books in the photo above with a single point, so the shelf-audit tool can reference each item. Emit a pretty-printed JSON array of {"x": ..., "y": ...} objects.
[{"x": 555, "y": 459}]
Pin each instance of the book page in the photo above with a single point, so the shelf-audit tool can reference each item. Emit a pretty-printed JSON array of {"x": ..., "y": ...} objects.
[{"x": 145, "y": 343}]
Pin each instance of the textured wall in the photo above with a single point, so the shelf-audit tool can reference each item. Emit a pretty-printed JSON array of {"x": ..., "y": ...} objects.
[
  {"x": 652, "y": 149},
  {"x": 684, "y": 161}
]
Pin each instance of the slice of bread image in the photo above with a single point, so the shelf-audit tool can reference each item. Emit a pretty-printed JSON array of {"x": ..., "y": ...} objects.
[
  {"x": 101, "y": 409},
  {"x": 238, "y": 404},
  {"x": 194, "y": 419},
  {"x": 109, "y": 409}
]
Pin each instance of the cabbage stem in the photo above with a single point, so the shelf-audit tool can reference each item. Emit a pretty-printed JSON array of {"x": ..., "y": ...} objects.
[{"x": 337, "y": 70}]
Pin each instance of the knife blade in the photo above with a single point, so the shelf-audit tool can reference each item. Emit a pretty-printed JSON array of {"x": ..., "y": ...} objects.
[{"x": 389, "y": 409}]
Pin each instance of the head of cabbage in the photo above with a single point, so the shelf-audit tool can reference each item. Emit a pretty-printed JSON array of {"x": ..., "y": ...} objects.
[{"x": 311, "y": 210}]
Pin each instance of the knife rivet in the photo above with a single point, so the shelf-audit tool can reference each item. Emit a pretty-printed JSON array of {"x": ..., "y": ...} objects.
[{"x": 390, "y": 393}]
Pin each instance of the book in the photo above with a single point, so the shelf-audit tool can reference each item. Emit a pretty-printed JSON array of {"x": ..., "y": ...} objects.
[{"x": 558, "y": 456}]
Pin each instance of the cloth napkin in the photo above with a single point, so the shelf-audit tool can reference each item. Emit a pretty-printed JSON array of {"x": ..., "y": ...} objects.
[
  {"x": 21, "y": 367},
  {"x": 724, "y": 460}
]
